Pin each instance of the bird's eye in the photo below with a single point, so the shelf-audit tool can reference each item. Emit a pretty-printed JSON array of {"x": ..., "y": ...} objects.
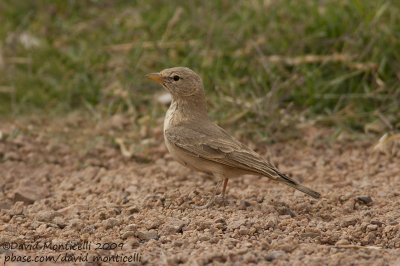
[{"x": 176, "y": 78}]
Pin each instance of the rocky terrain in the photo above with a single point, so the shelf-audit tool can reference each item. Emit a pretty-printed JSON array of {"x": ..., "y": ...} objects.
[{"x": 69, "y": 181}]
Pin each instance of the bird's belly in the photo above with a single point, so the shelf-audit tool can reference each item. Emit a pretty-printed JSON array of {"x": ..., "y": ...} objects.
[
  {"x": 179, "y": 156},
  {"x": 200, "y": 164},
  {"x": 175, "y": 153}
]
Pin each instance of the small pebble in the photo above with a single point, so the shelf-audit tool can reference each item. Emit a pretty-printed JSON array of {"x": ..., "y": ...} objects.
[
  {"x": 364, "y": 199},
  {"x": 127, "y": 235},
  {"x": 147, "y": 235},
  {"x": 372, "y": 227},
  {"x": 273, "y": 255}
]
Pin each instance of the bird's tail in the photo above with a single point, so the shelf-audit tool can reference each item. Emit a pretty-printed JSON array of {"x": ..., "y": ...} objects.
[{"x": 294, "y": 184}]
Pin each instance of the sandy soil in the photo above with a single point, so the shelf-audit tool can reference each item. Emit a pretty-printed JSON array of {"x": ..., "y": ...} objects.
[{"x": 67, "y": 180}]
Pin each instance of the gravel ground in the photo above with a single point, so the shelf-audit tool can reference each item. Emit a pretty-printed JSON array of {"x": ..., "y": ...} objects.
[{"x": 65, "y": 182}]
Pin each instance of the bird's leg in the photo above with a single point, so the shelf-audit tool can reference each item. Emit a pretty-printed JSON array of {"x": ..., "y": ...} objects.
[
  {"x": 224, "y": 187},
  {"x": 211, "y": 201},
  {"x": 225, "y": 181}
]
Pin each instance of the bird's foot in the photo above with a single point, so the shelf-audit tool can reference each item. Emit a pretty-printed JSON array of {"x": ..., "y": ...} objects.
[
  {"x": 211, "y": 201},
  {"x": 221, "y": 200},
  {"x": 205, "y": 206}
]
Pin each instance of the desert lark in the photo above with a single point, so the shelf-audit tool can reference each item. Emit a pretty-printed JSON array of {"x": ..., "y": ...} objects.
[{"x": 198, "y": 143}]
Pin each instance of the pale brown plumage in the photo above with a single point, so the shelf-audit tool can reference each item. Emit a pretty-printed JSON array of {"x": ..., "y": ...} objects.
[{"x": 198, "y": 143}]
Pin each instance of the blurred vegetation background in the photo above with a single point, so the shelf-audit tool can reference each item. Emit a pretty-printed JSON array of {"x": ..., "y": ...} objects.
[{"x": 267, "y": 65}]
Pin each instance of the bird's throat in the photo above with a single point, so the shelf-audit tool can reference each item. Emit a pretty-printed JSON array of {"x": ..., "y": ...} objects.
[{"x": 182, "y": 110}]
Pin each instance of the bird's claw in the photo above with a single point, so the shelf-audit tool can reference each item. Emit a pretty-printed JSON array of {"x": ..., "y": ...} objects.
[
  {"x": 219, "y": 200},
  {"x": 205, "y": 206}
]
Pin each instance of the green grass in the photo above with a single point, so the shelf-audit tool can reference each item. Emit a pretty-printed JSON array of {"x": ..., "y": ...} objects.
[{"x": 79, "y": 62}]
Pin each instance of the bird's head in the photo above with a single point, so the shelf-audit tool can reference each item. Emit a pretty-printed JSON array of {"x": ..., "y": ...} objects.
[{"x": 181, "y": 82}]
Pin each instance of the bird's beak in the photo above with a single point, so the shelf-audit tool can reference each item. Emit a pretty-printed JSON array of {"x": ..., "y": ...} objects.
[{"x": 155, "y": 77}]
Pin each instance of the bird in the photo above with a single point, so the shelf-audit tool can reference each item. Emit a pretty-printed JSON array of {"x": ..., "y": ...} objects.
[{"x": 195, "y": 141}]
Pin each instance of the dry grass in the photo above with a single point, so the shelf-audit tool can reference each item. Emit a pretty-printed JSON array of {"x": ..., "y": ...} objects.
[{"x": 332, "y": 62}]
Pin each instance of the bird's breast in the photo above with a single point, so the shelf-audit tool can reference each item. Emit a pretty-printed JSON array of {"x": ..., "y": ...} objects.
[
  {"x": 169, "y": 121},
  {"x": 170, "y": 116}
]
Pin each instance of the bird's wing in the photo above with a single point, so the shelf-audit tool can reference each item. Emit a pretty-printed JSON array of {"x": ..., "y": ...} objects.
[{"x": 215, "y": 144}]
